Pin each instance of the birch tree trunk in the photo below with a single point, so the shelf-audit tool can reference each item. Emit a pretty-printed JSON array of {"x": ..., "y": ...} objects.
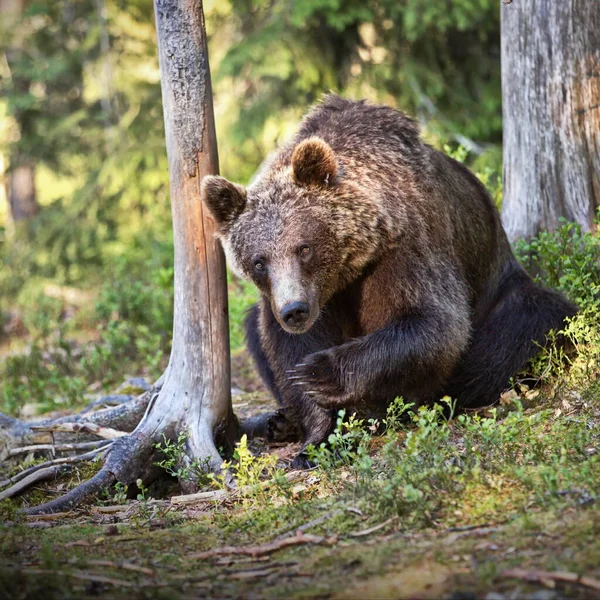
[{"x": 551, "y": 112}]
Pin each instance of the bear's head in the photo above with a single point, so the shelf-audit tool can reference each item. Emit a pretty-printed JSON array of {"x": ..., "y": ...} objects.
[{"x": 301, "y": 232}]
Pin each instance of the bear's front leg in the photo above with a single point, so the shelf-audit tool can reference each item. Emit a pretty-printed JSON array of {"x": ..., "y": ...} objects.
[
  {"x": 412, "y": 356},
  {"x": 276, "y": 352}
]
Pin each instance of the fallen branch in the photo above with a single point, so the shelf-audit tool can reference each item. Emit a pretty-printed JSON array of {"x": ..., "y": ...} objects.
[
  {"x": 254, "y": 551},
  {"x": 292, "y": 476},
  {"x": 106, "y": 433},
  {"x": 52, "y": 517},
  {"x": 373, "y": 529},
  {"x": 557, "y": 576},
  {"x": 53, "y": 448}
]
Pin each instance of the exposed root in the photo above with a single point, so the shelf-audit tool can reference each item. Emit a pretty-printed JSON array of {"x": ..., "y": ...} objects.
[
  {"x": 128, "y": 459},
  {"x": 35, "y": 477},
  {"x": 107, "y": 402},
  {"x": 56, "y": 448},
  {"x": 128, "y": 456},
  {"x": 76, "y": 496},
  {"x": 107, "y": 433},
  {"x": 56, "y": 464},
  {"x": 125, "y": 417}
]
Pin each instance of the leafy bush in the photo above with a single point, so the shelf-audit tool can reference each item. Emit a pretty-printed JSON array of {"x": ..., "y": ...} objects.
[
  {"x": 421, "y": 467},
  {"x": 567, "y": 259}
]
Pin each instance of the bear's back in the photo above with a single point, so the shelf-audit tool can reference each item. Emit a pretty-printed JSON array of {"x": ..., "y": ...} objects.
[{"x": 355, "y": 129}]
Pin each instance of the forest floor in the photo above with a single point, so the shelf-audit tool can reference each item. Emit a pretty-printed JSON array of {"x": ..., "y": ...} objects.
[{"x": 528, "y": 529}]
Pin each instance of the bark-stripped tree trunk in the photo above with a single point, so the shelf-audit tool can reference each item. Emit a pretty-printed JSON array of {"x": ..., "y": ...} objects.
[
  {"x": 551, "y": 111},
  {"x": 196, "y": 393},
  {"x": 193, "y": 395}
]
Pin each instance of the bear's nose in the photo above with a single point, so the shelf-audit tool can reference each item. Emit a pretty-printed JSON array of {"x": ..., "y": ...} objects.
[{"x": 295, "y": 313}]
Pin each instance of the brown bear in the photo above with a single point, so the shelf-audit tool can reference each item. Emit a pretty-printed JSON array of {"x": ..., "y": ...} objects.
[{"x": 383, "y": 268}]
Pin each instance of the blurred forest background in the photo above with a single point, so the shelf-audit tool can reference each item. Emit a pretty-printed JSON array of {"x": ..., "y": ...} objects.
[{"x": 85, "y": 228}]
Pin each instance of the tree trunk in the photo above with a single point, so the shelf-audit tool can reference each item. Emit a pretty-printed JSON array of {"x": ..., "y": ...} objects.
[
  {"x": 20, "y": 192},
  {"x": 551, "y": 111},
  {"x": 20, "y": 179},
  {"x": 193, "y": 395},
  {"x": 196, "y": 393}
]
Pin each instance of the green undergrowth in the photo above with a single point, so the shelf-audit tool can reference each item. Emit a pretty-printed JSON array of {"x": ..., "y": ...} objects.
[
  {"x": 424, "y": 494},
  {"x": 75, "y": 343}
]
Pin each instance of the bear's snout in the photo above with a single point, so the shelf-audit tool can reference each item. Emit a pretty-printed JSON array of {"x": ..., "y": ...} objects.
[{"x": 295, "y": 314}]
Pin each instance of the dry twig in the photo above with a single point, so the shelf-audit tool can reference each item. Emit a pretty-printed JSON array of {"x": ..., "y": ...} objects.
[
  {"x": 313, "y": 523},
  {"x": 83, "y": 576},
  {"x": 365, "y": 532},
  {"x": 292, "y": 476},
  {"x": 269, "y": 548},
  {"x": 558, "y": 576},
  {"x": 126, "y": 566}
]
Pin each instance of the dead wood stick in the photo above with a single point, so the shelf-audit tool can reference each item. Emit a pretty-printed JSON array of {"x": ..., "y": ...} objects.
[
  {"x": 560, "y": 576},
  {"x": 292, "y": 476},
  {"x": 104, "y": 432},
  {"x": 52, "y": 517},
  {"x": 50, "y": 463},
  {"x": 301, "y": 538},
  {"x": 124, "y": 508},
  {"x": 373, "y": 529},
  {"x": 58, "y": 447}
]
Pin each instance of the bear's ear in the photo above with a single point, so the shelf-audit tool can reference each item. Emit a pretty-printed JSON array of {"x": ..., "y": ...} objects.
[
  {"x": 224, "y": 200},
  {"x": 314, "y": 162}
]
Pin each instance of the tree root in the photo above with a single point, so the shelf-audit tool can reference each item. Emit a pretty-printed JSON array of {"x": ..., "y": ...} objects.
[
  {"x": 36, "y": 477},
  {"x": 101, "y": 480},
  {"x": 106, "y": 402},
  {"x": 27, "y": 474},
  {"x": 128, "y": 459},
  {"x": 56, "y": 448},
  {"x": 125, "y": 417},
  {"x": 128, "y": 455},
  {"x": 107, "y": 433}
]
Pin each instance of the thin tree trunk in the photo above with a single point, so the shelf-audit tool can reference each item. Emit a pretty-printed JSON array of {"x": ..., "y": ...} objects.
[
  {"x": 197, "y": 390},
  {"x": 551, "y": 110},
  {"x": 193, "y": 395}
]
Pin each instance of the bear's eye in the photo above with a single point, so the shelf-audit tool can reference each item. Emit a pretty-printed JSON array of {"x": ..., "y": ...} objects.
[
  {"x": 304, "y": 251},
  {"x": 259, "y": 265}
]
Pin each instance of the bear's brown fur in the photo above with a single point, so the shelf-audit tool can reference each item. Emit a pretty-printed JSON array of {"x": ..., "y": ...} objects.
[{"x": 383, "y": 267}]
